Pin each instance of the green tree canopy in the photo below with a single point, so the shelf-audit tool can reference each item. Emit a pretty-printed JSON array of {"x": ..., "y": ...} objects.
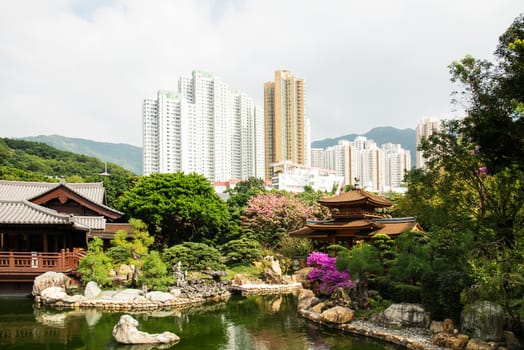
[
  {"x": 178, "y": 208},
  {"x": 494, "y": 97}
]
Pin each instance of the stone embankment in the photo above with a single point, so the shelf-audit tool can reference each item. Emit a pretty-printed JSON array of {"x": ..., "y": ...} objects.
[
  {"x": 411, "y": 338},
  {"x": 263, "y": 289}
]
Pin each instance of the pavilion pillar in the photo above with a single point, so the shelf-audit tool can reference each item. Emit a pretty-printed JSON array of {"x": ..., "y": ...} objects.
[{"x": 44, "y": 243}]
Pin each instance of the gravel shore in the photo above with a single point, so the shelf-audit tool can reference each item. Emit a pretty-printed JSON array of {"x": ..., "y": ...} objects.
[{"x": 419, "y": 335}]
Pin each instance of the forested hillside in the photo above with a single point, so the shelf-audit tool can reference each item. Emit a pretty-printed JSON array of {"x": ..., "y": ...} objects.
[
  {"x": 127, "y": 156},
  {"x": 34, "y": 161}
]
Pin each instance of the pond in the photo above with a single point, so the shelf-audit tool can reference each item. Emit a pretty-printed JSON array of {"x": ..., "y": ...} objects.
[{"x": 254, "y": 322}]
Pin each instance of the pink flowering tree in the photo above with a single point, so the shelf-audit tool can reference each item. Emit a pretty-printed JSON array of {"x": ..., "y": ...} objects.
[
  {"x": 270, "y": 215},
  {"x": 325, "y": 275}
]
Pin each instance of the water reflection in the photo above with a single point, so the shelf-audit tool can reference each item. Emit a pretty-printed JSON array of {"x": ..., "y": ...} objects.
[{"x": 251, "y": 323}]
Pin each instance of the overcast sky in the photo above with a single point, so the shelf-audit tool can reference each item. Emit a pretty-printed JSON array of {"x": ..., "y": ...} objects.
[{"x": 81, "y": 68}]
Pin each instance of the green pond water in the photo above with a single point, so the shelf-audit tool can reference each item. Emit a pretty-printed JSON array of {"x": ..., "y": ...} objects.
[{"x": 255, "y": 322}]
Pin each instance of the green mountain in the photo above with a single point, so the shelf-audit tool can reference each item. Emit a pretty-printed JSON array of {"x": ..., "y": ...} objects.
[
  {"x": 23, "y": 160},
  {"x": 381, "y": 135},
  {"x": 127, "y": 156}
]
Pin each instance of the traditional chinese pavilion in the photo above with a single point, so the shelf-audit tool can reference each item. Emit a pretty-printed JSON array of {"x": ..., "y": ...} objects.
[
  {"x": 356, "y": 215},
  {"x": 45, "y": 227}
]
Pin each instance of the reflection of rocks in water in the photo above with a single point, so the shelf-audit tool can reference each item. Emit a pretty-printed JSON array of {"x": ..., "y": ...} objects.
[
  {"x": 141, "y": 346},
  {"x": 167, "y": 313},
  {"x": 60, "y": 319},
  {"x": 92, "y": 317},
  {"x": 275, "y": 303},
  {"x": 53, "y": 320}
]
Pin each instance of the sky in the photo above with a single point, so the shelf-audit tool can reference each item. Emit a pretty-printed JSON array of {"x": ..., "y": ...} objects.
[{"x": 81, "y": 68}]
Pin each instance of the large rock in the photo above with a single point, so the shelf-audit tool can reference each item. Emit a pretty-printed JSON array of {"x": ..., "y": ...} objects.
[
  {"x": 339, "y": 297},
  {"x": 405, "y": 315},
  {"x": 272, "y": 270},
  {"x": 337, "y": 314},
  {"x": 161, "y": 297},
  {"x": 240, "y": 279},
  {"x": 127, "y": 295},
  {"x": 306, "y": 298},
  {"x": 126, "y": 332},
  {"x": 92, "y": 290},
  {"x": 50, "y": 279},
  {"x": 450, "y": 341},
  {"x": 53, "y": 294},
  {"x": 477, "y": 344},
  {"x": 511, "y": 341},
  {"x": 483, "y": 320}
]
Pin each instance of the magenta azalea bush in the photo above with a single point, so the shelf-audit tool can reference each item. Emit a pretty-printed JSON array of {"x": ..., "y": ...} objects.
[{"x": 326, "y": 274}]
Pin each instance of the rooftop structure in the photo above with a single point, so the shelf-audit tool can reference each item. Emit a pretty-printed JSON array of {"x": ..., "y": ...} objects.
[{"x": 357, "y": 215}]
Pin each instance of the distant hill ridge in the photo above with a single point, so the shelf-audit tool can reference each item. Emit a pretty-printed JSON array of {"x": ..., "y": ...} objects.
[
  {"x": 381, "y": 135},
  {"x": 130, "y": 157},
  {"x": 127, "y": 156}
]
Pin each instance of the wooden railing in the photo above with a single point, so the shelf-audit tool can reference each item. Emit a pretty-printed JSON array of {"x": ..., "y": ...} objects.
[{"x": 38, "y": 262}]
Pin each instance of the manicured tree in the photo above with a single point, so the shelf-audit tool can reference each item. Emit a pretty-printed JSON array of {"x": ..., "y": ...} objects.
[
  {"x": 137, "y": 246},
  {"x": 271, "y": 215},
  {"x": 412, "y": 258},
  {"x": 155, "y": 274},
  {"x": 177, "y": 208},
  {"x": 95, "y": 266},
  {"x": 193, "y": 256},
  {"x": 386, "y": 248},
  {"x": 447, "y": 274},
  {"x": 241, "y": 251},
  {"x": 362, "y": 260}
]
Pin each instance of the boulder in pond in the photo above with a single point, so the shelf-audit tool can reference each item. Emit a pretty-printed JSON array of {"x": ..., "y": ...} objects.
[
  {"x": 126, "y": 332},
  {"x": 483, "y": 320},
  {"x": 53, "y": 294},
  {"x": 405, "y": 315},
  {"x": 50, "y": 279},
  {"x": 337, "y": 314},
  {"x": 272, "y": 270},
  {"x": 92, "y": 290}
]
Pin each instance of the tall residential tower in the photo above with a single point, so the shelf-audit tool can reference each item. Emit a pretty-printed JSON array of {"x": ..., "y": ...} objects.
[
  {"x": 286, "y": 127},
  {"x": 205, "y": 127},
  {"x": 425, "y": 128}
]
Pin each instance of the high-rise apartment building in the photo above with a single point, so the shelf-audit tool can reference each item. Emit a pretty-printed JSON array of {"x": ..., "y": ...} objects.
[
  {"x": 286, "y": 128},
  {"x": 205, "y": 127},
  {"x": 425, "y": 129},
  {"x": 361, "y": 162}
]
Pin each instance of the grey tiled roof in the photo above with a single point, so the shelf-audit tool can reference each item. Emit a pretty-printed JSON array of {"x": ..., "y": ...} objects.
[
  {"x": 25, "y": 212},
  {"x": 19, "y": 190},
  {"x": 93, "y": 222}
]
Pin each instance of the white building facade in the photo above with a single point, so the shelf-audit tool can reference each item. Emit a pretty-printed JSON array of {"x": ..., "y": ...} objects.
[
  {"x": 426, "y": 127},
  {"x": 204, "y": 127},
  {"x": 362, "y": 163}
]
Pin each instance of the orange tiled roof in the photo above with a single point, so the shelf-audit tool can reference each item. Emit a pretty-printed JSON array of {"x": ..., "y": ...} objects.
[{"x": 357, "y": 197}]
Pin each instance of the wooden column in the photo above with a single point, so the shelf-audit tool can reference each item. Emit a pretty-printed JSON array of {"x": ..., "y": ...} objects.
[{"x": 44, "y": 243}]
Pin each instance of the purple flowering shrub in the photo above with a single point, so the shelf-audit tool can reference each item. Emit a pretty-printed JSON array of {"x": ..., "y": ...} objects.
[{"x": 325, "y": 273}]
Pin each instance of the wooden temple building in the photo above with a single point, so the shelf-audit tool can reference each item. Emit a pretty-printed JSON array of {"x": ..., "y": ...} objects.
[
  {"x": 45, "y": 227},
  {"x": 356, "y": 215}
]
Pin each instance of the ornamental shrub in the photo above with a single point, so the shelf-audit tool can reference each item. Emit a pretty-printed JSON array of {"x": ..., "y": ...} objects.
[
  {"x": 193, "y": 257},
  {"x": 242, "y": 251},
  {"x": 326, "y": 275},
  {"x": 154, "y": 273},
  {"x": 96, "y": 264}
]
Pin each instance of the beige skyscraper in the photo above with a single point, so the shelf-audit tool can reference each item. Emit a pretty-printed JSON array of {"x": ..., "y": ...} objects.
[{"x": 285, "y": 121}]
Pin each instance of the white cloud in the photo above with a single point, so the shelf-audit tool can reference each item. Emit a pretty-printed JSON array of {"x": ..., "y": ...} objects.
[{"x": 81, "y": 68}]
